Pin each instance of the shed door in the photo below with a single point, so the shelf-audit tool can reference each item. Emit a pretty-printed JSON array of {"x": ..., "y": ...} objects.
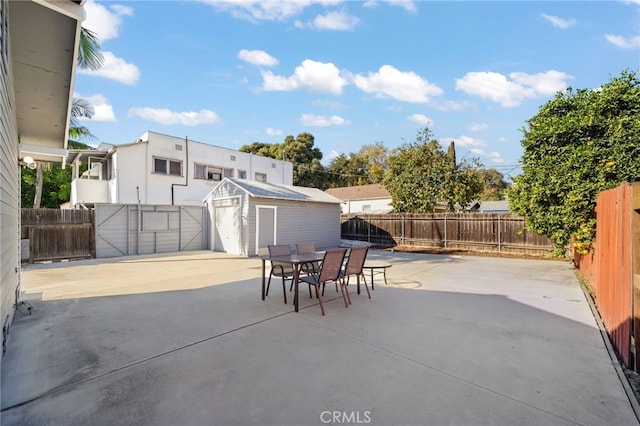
[
  {"x": 227, "y": 230},
  {"x": 265, "y": 227}
]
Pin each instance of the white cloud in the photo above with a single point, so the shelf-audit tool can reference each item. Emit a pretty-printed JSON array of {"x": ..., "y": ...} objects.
[
  {"x": 103, "y": 21},
  {"x": 407, "y": 5},
  {"x": 623, "y": 42},
  {"x": 510, "y": 93},
  {"x": 421, "y": 119},
  {"x": 493, "y": 157},
  {"x": 273, "y": 132},
  {"x": 115, "y": 68},
  {"x": 257, "y": 10},
  {"x": 389, "y": 82},
  {"x": 335, "y": 21},
  {"x": 558, "y": 22},
  {"x": 102, "y": 111},
  {"x": 476, "y": 127},
  {"x": 322, "y": 120},
  {"x": 310, "y": 75},
  {"x": 332, "y": 156},
  {"x": 167, "y": 117},
  {"x": 467, "y": 141},
  {"x": 257, "y": 57}
]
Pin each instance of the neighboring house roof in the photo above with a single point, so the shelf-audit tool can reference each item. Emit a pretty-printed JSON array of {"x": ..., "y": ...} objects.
[
  {"x": 360, "y": 192},
  {"x": 279, "y": 192},
  {"x": 43, "y": 57},
  {"x": 501, "y": 206}
]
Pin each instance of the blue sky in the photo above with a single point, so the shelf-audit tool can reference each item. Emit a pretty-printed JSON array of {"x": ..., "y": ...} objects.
[{"x": 351, "y": 73}]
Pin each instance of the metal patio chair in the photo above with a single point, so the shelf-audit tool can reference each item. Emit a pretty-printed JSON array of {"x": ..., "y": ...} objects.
[
  {"x": 279, "y": 269},
  {"x": 354, "y": 266},
  {"x": 329, "y": 271}
]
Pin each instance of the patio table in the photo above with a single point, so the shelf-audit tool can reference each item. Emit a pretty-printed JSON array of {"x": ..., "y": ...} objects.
[
  {"x": 376, "y": 267},
  {"x": 296, "y": 260}
]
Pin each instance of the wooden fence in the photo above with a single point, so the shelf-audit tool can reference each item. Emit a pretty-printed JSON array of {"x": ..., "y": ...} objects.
[
  {"x": 489, "y": 232},
  {"x": 55, "y": 234},
  {"x": 613, "y": 269}
]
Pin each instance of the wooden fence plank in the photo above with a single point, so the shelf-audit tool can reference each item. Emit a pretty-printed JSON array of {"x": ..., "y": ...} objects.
[
  {"x": 477, "y": 232},
  {"x": 55, "y": 234}
]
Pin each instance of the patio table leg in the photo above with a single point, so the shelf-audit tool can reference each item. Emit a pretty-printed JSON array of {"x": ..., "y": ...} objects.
[
  {"x": 296, "y": 279},
  {"x": 263, "y": 271}
]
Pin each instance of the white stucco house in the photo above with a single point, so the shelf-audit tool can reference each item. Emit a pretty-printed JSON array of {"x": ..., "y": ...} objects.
[
  {"x": 38, "y": 54},
  {"x": 370, "y": 199},
  {"x": 246, "y": 216},
  {"x": 164, "y": 170}
]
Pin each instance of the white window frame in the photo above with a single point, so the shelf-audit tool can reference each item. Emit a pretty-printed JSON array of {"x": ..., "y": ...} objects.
[
  {"x": 168, "y": 164},
  {"x": 260, "y": 174},
  {"x": 210, "y": 172}
]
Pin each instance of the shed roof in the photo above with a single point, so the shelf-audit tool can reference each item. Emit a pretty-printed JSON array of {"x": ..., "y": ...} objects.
[
  {"x": 279, "y": 192},
  {"x": 360, "y": 192}
]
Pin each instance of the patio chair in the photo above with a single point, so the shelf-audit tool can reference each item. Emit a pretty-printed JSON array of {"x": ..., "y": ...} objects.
[
  {"x": 329, "y": 271},
  {"x": 279, "y": 269},
  {"x": 309, "y": 268},
  {"x": 354, "y": 267}
]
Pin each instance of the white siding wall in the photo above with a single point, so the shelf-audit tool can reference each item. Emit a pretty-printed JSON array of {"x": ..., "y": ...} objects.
[
  {"x": 132, "y": 170},
  {"x": 358, "y": 206},
  {"x": 299, "y": 222},
  {"x": 9, "y": 195}
]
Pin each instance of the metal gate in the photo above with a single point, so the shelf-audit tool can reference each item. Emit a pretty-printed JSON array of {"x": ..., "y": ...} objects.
[{"x": 131, "y": 229}]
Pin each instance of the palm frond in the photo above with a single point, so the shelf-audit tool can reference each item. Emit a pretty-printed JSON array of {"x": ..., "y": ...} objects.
[{"x": 89, "y": 53}]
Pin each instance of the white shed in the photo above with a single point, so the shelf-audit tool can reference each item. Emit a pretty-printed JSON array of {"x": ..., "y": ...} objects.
[{"x": 246, "y": 216}]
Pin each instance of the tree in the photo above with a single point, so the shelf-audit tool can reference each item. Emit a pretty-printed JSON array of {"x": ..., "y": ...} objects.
[
  {"x": 262, "y": 149},
  {"x": 56, "y": 186},
  {"x": 90, "y": 55},
  {"x": 79, "y": 108},
  {"x": 307, "y": 169},
  {"x": 577, "y": 145},
  {"x": 364, "y": 167},
  {"x": 420, "y": 175},
  {"x": 494, "y": 185}
]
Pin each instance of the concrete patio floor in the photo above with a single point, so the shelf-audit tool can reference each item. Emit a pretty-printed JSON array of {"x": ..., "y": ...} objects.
[{"x": 185, "y": 339}]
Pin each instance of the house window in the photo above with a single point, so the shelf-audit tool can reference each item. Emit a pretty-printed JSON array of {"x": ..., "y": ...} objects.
[
  {"x": 242, "y": 174},
  {"x": 204, "y": 171},
  {"x": 165, "y": 166},
  {"x": 366, "y": 207},
  {"x": 261, "y": 177}
]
